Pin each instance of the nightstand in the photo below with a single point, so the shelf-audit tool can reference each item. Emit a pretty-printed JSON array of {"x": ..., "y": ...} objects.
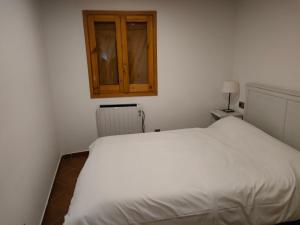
[{"x": 219, "y": 114}]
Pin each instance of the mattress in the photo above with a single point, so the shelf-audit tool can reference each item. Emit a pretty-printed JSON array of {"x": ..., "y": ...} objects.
[{"x": 229, "y": 173}]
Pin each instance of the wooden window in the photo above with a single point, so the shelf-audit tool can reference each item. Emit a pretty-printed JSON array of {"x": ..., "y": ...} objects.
[{"x": 121, "y": 53}]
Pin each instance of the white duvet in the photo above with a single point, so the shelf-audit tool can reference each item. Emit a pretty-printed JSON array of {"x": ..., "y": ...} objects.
[{"x": 229, "y": 173}]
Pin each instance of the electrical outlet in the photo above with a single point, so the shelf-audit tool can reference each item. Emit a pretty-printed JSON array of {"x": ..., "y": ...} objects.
[
  {"x": 241, "y": 105},
  {"x": 157, "y": 130}
]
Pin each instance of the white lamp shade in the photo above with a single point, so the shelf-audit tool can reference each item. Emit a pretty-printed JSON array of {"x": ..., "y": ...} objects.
[{"x": 230, "y": 86}]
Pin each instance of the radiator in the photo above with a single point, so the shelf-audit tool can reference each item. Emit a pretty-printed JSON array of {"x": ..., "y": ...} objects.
[{"x": 120, "y": 119}]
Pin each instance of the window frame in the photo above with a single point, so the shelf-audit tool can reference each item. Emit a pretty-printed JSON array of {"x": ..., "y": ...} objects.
[{"x": 120, "y": 18}]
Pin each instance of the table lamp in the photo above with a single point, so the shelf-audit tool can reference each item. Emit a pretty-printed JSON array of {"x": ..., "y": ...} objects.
[{"x": 230, "y": 87}]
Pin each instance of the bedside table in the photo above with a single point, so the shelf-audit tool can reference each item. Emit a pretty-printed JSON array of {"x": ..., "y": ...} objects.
[{"x": 219, "y": 114}]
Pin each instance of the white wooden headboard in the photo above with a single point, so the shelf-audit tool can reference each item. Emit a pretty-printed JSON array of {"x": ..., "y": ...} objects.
[{"x": 274, "y": 110}]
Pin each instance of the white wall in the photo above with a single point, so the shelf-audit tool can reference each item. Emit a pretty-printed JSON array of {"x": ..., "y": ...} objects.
[
  {"x": 28, "y": 152},
  {"x": 268, "y": 43},
  {"x": 195, "y": 55}
]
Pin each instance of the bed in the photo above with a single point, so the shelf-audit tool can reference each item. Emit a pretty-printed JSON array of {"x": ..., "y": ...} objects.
[{"x": 229, "y": 173}]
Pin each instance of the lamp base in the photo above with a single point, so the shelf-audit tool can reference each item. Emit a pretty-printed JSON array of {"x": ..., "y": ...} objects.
[{"x": 228, "y": 110}]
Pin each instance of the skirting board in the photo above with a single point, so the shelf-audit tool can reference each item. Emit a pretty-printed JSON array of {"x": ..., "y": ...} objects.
[{"x": 52, "y": 183}]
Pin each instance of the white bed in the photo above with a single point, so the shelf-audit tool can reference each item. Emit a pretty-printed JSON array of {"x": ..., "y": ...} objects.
[{"x": 229, "y": 173}]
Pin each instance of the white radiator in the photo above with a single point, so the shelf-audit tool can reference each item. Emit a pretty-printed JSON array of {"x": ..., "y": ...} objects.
[{"x": 120, "y": 119}]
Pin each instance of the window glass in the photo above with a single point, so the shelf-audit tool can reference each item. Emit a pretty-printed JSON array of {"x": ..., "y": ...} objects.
[
  {"x": 107, "y": 52},
  {"x": 137, "y": 52}
]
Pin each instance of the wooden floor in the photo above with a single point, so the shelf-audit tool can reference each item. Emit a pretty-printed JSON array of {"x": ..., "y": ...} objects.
[{"x": 63, "y": 188}]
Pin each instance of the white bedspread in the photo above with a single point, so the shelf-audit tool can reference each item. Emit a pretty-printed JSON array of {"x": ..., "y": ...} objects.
[{"x": 230, "y": 173}]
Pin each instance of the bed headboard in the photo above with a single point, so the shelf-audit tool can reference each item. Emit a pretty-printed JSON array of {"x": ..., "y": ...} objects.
[{"x": 274, "y": 110}]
